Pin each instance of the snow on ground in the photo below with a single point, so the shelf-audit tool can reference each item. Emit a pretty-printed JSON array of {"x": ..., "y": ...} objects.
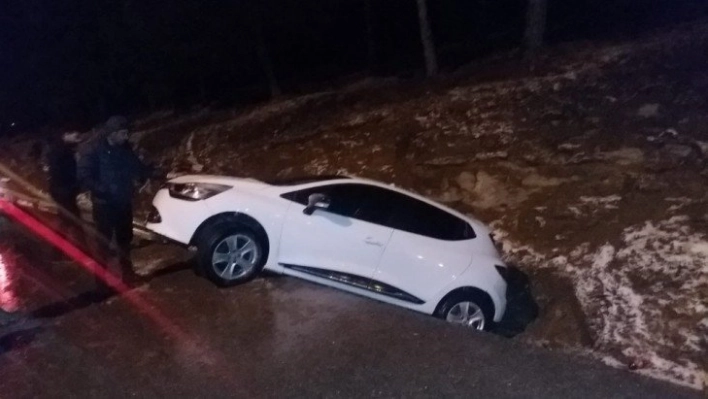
[
  {"x": 679, "y": 202},
  {"x": 609, "y": 202},
  {"x": 644, "y": 297}
]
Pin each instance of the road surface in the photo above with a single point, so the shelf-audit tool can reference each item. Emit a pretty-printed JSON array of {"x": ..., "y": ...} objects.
[{"x": 179, "y": 336}]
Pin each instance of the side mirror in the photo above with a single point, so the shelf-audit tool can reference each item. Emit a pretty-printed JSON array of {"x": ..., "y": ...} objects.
[{"x": 316, "y": 201}]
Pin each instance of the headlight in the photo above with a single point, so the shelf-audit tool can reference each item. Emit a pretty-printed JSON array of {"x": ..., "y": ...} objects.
[{"x": 195, "y": 191}]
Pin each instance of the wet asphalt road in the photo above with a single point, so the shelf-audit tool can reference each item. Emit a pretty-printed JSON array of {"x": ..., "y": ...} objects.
[{"x": 280, "y": 337}]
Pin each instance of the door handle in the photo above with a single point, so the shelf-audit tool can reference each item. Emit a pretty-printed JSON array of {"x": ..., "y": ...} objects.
[{"x": 371, "y": 241}]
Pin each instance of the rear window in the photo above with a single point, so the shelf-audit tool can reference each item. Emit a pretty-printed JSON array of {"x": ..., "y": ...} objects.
[{"x": 417, "y": 217}]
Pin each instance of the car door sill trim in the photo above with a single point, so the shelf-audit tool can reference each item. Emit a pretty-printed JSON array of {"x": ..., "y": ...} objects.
[{"x": 363, "y": 283}]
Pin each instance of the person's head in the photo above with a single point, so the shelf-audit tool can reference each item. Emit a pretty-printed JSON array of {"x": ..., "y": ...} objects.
[{"x": 117, "y": 130}]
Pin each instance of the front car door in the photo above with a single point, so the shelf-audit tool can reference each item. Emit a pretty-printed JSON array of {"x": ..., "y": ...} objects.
[{"x": 332, "y": 240}]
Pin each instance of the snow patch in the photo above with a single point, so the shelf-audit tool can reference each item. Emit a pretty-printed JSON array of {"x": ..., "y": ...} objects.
[
  {"x": 191, "y": 157},
  {"x": 575, "y": 211},
  {"x": 491, "y": 155},
  {"x": 512, "y": 251},
  {"x": 568, "y": 146},
  {"x": 629, "y": 291},
  {"x": 317, "y": 166},
  {"x": 624, "y": 294},
  {"x": 351, "y": 143},
  {"x": 608, "y": 202},
  {"x": 648, "y": 111},
  {"x": 679, "y": 203}
]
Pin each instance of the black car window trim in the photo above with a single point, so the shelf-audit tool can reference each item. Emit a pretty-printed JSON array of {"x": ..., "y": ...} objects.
[
  {"x": 301, "y": 197},
  {"x": 465, "y": 230},
  {"x": 459, "y": 229}
]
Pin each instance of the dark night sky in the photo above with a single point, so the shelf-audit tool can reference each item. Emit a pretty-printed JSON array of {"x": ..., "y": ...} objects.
[{"x": 75, "y": 61}]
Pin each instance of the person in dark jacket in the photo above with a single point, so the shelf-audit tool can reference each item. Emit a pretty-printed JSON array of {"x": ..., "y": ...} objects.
[
  {"x": 63, "y": 179},
  {"x": 110, "y": 171}
]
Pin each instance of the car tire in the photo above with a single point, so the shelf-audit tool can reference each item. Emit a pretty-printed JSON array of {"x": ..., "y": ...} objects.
[
  {"x": 230, "y": 254},
  {"x": 466, "y": 307}
]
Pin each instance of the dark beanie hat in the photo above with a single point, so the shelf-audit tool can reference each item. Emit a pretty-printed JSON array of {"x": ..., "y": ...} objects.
[{"x": 116, "y": 123}]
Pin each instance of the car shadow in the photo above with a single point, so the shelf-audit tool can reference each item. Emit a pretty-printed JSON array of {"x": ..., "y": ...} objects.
[
  {"x": 17, "y": 339},
  {"x": 77, "y": 302},
  {"x": 98, "y": 295},
  {"x": 521, "y": 307},
  {"x": 177, "y": 267}
]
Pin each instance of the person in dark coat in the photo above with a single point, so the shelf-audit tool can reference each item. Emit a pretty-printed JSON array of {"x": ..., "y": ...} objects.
[
  {"x": 63, "y": 179},
  {"x": 110, "y": 171}
]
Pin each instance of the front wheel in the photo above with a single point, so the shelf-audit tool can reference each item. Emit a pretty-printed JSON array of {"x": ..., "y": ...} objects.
[{"x": 230, "y": 255}]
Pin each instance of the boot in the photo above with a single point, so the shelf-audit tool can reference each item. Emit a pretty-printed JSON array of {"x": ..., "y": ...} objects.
[{"x": 129, "y": 277}]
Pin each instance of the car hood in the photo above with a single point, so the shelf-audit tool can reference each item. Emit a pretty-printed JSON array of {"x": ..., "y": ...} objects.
[{"x": 236, "y": 182}]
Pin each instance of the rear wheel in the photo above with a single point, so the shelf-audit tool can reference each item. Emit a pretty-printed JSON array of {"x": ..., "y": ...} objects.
[
  {"x": 471, "y": 309},
  {"x": 230, "y": 255}
]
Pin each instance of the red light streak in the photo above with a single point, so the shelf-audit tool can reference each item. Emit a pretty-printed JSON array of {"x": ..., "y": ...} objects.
[
  {"x": 191, "y": 345},
  {"x": 8, "y": 300},
  {"x": 141, "y": 304}
]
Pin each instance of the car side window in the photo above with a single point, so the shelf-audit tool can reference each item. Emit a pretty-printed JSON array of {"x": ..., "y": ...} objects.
[
  {"x": 376, "y": 205},
  {"x": 417, "y": 217},
  {"x": 389, "y": 208},
  {"x": 344, "y": 198}
]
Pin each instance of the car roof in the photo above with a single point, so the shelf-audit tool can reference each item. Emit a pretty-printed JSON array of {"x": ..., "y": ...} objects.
[{"x": 301, "y": 180}]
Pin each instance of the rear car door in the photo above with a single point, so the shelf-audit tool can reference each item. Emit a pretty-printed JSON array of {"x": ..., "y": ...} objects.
[
  {"x": 332, "y": 240},
  {"x": 429, "y": 248}
]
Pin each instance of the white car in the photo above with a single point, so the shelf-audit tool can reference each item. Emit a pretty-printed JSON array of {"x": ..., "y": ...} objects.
[{"x": 357, "y": 235}]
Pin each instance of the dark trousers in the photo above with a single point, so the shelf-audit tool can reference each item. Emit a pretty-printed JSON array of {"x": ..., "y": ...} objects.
[
  {"x": 69, "y": 216},
  {"x": 115, "y": 221},
  {"x": 66, "y": 200}
]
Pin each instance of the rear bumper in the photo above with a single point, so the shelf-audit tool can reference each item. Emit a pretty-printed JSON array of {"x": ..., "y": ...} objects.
[
  {"x": 521, "y": 309},
  {"x": 499, "y": 297}
]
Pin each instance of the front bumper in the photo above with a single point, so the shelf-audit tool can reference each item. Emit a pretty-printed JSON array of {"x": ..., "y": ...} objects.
[{"x": 176, "y": 219}]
